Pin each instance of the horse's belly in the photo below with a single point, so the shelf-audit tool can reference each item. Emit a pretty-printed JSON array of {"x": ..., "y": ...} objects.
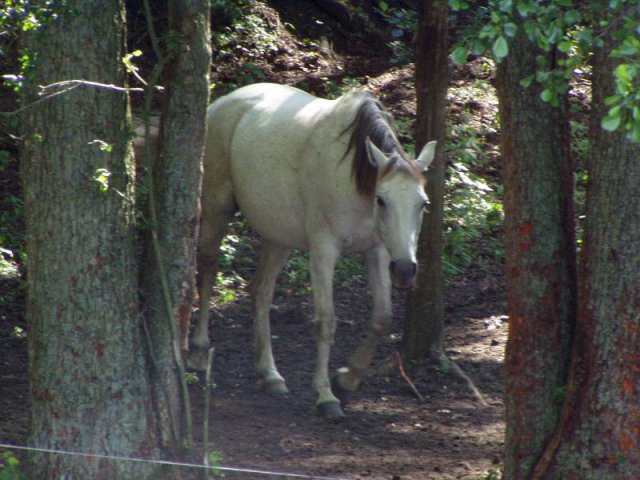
[
  {"x": 269, "y": 202},
  {"x": 276, "y": 225}
]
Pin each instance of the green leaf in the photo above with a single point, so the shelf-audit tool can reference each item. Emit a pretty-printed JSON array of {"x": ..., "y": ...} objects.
[
  {"x": 571, "y": 17},
  {"x": 612, "y": 99},
  {"x": 524, "y": 8},
  {"x": 457, "y": 5},
  {"x": 526, "y": 81},
  {"x": 547, "y": 95},
  {"x": 564, "y": 46},
  {"x": 500, "y": 48},
  {"x": 488, "y": 31},
  {"x": 101, "y": 177},
  {"x": 506, "y": 6},
  {"x": 634, "y": 134},
  {"x": 459, "y": 55},
  {"x": 510, "y": 29},
  {"x": 611, "y": 122},
  {"x": 553, "y": 34},
  {"x": 543, "y": 44},
  {"x": 622, "y": 73},
  {"x": 478, "y": 47}
]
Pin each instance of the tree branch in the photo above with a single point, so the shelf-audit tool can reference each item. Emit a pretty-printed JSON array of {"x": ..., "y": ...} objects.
[{"x": 47, "y": 92}]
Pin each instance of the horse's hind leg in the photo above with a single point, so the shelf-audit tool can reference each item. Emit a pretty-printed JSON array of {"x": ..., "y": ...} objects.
[
  {"x": 216, "y": 215},
  {"x": 272, "y": 260}
]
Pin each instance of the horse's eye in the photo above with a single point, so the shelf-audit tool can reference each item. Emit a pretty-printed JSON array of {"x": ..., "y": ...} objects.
[
  {"x": 380, "y": 201},
  {"x": 425, "y": 205}
]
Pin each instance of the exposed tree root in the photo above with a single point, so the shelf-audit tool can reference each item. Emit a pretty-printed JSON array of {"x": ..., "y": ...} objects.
[
  {"x": 449, "y": 365},
  {"x": 398, "y": 360},
  {"x": 440, "y": 360}
]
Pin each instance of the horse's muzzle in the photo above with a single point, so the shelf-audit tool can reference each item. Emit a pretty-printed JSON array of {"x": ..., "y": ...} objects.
[{"x": 403, "y": 273}]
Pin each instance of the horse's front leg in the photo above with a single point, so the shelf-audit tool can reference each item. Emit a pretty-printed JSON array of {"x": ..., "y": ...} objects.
[
  {"x": 380, "y": 285},
  {"x": 323, "y": 260}
]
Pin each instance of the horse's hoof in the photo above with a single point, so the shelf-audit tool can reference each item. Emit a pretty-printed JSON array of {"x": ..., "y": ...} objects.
[
  {"x": 338, "y": 390},
  {"x": 331, "y": 411},
  {"x": 277, "y": 386},
  {"x": 197, "y": 359}
]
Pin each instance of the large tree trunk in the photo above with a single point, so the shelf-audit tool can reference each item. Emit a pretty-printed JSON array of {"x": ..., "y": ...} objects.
[
  {"x": 88, "y": 381},
  {"x": 424, "y": 321},
  {"x": 176, "y": 179},
  {"x": 598, "y": 436},
  {"x": 540, "y": 258},
  {"x": 93, "y": 388}
]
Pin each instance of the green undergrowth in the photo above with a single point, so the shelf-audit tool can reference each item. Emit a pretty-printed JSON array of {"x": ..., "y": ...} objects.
[
  {"x": 473, "y": 213},
  {"x": 11, "y": 212},
  {"x": 237, "y": 263},
  {"x": 10, "y": 467}
]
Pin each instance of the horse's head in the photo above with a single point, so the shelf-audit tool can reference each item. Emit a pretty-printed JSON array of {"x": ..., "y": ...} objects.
[{"x": 400, "y": 202}]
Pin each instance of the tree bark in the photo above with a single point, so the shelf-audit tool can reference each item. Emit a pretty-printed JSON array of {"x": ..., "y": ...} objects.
[
  {"x": 598, "y": 436},
  {"x": 424, "y": 319},
  {"x": 176, "y": 178},
  {"x": 88, "y": 382},
  {"x": 100, "y": 381},
  {"x": 540, "y": 258}
]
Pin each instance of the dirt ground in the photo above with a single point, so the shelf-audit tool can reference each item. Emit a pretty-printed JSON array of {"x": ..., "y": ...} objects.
[{"x": 388, "y": 433}]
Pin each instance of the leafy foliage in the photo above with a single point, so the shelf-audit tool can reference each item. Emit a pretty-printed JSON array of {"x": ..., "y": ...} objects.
[
  {"x": 473, "y": 207},
  {"x": 238, "y": 254},
  {"x": 573, "y": 30},
  {"x": 11, "y": 211},
  {"x": 404, "y": 24},
  {"x": 10, "y": 467},
  {"x": 338, "y": 88},
  {"x": 252, "y": 27},
  {"x": 18, "y": 17}
]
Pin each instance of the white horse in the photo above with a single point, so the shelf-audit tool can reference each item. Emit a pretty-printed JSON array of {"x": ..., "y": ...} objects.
[{"x": 327, "y": 176}]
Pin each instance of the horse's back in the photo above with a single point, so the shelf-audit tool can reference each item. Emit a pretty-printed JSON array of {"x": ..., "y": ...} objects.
[{"x": 284, "y": 149}]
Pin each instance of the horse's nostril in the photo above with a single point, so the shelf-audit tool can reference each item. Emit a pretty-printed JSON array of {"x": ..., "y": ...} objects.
[{"x": 403, "y": 272}]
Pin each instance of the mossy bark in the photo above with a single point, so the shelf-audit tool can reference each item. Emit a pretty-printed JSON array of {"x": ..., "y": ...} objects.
[
  {"x": 95, "y": 387},
  {"x": 177, "y": 176},
  {"x": 598, "y": 436},
  {"x": 88, "y": 381},
  {"x": 424, "y": 320},
  {"x": 540, "y": 258}
]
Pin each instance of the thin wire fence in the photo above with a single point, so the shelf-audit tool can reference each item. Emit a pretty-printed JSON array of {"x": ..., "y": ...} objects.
[{"x": 213, "y": 468}]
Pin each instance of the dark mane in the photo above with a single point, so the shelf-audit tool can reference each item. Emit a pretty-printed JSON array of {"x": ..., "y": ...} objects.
[{"x": 374, "y": 121}]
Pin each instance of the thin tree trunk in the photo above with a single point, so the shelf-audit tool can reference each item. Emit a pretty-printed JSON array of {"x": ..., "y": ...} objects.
[
  {"x": 424, "y": 321},
  {"x": 177, "y": 177},
  {"x": 88, "y": 381},
  {"x": 540, "y": 258},
  {"x": 598, "y": 436}
]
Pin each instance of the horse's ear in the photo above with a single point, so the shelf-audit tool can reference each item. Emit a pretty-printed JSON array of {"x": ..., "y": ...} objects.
[
  {"x": 377, "y": 158},
  {"x": 426, "y": 156}
]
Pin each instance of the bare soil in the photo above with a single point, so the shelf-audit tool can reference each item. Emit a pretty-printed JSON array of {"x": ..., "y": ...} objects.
[{"x": 389, "y": 433}]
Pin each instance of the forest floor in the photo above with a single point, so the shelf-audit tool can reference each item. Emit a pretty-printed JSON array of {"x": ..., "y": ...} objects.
[{"x": 389, "y": 433}]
